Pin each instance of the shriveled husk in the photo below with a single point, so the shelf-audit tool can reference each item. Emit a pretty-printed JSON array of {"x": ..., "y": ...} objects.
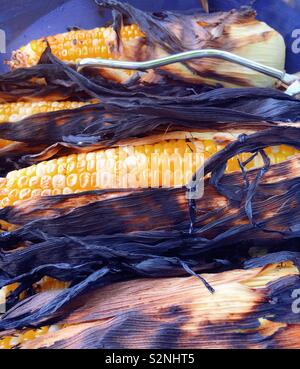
[
  {"x": 164, "y": 234},
  {"x": 90, "y": 240},
  {"x": 131, "y": 116},
  {"x": 250, "y": 308}
]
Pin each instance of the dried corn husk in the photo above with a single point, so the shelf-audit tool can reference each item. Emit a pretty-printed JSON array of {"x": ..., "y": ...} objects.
[
  {"x": 249, "y": 309},
  {"x": 163, "y": 235}
]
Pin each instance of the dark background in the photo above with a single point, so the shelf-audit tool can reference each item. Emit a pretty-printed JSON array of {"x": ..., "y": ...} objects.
[{"x": 23, "y": 20}]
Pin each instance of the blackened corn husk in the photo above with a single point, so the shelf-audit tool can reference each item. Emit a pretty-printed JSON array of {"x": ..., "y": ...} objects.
[
  {"x": 106, "y": 124},
  {"x": 164, "y": 234},
  {"x": 133, "y": 118},
  {"x": 250, "y": 308},
  {"x": 231, "y": 31},
  {"x": 51, "y": 82},
  {"x": 127, "y": 115},
  {"x": 40, "y": 82},
  {"x": 167, "y": 33}
]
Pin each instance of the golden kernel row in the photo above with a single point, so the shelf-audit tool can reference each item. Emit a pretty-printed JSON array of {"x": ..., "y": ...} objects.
[
  {"x": 167, "y": 164},
  {"x": 14, "y": 112},
  {"x": 78, "y": 44}
]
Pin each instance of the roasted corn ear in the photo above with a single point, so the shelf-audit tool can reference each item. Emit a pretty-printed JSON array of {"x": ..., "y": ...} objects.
[
  {"x": 153, "y": 37},
  {"x": 113, "y": 193},
  {"x": 14, "y": 112},
  {"x": 151, "y": 232},
  {"x": 246, "y": 316},
  {"x": 74, "y": 45},
  {"x": 170, "y": 163}
]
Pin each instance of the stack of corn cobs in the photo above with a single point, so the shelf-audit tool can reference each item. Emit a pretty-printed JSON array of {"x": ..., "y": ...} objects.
[{"x": 165, "y": 203}]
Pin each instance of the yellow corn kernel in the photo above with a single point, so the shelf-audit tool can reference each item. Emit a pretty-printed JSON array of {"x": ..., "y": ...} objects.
[
  {"x": 166, "y": 164},
  {"x": 74, "y": 45},
  {"x": 14, "y": 112}
]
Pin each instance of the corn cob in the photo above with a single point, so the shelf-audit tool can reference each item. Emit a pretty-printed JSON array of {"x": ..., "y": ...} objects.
[
  {"x": 74, "y": 45},
  {"x": 242, "y": 35},
  {"x": 14, "y": 112},
  {"x": 168, "y": 163}
]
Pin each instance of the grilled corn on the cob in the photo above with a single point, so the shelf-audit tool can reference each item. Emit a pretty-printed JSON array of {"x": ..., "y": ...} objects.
[
  {"x": 74, "y": 45},
  {"x": 237, "y": 32},
  {"x": 247, "y": 282},
  {"x": 17, "y": 111},
  {"x": 168, "y": 163},
  {"x": 14, "y": 112}
]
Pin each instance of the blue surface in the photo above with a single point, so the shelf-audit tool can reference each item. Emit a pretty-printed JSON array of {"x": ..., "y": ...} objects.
[{"x": 23, "y": 20}]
